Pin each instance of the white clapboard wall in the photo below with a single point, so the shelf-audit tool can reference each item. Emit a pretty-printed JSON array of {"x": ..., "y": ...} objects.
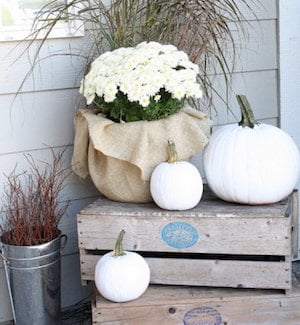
[{"x": 42, "y": 116}]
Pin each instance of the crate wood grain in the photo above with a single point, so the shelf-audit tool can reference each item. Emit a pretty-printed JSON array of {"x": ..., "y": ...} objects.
[
  {"x": 215, "y": 244},
  {"x": 171, "y": 305}
]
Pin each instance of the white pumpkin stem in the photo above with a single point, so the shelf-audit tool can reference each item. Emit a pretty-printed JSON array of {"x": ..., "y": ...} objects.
[
  {"x": 173, "y": 157},
  {"x": 119, "y": 251},
  {"x": 248, "y": 118}
]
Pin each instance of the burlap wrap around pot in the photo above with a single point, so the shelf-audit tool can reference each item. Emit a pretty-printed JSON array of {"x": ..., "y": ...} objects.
[{"x": 120, "y": 157}]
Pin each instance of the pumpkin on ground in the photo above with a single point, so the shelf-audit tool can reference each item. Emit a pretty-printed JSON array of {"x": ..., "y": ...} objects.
[
  {"x": 121, "y": 275},
  {"x": 176, "y": 185},
  {"x": 251, "y": 163}
]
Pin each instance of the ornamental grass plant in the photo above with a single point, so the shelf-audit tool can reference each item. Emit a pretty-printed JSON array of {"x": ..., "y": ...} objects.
[
  {"x": 203, "y": 29},
  {"x": 31, "y": 203}
]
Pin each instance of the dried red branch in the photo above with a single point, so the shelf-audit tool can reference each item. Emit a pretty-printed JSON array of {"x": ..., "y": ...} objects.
[{"x": 31, "y": 202}]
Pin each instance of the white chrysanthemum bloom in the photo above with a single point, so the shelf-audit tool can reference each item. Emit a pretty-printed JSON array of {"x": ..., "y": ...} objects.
[
  {"x": 141, "y": 73},
  {"x": 179, "y": 93},
  {"x": 157, "y": 98},
  {"x": 110, "y": 92},
  {"x": 192, "y": 90},
  {"x": 186, "y": 75},
  {"x": 144, "y": 101}
]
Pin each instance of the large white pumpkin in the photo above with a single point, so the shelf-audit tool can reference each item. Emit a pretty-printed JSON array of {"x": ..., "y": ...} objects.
[
  {"x": 120, "y": 275},
  {"x": 251, "y": 163},
  {"x": 176, "y": 185}
]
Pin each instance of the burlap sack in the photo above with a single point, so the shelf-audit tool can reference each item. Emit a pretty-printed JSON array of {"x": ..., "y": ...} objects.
[{"x": 121, "y": 157}]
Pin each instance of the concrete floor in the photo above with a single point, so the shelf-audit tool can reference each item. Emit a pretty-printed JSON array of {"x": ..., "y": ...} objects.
[{"x": 78, "y": 315}]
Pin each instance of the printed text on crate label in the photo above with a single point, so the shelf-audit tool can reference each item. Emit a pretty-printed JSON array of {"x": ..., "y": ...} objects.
[
  {"x": 179, "y": 234},
  {"x": 202, "y": 315}
]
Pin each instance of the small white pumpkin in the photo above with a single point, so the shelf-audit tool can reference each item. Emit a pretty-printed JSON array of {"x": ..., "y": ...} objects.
[
  {"x": 176, "y": 185},
  {"x": 249, "y": 162},
  {"x": 121, "y": 275}
]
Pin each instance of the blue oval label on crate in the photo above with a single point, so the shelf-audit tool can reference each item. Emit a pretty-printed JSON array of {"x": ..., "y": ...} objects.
[
  {"x": 179, "y": 234},
  {"x": 202, "y": 316}
]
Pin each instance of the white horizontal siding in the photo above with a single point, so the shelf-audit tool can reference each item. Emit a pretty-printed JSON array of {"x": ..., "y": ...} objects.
[
  {"x": 255, "y": 47},
  {"x": 55, "y": 68},
  {"x": 264, "y": 9},
  {"x": 36, "y": 120},
  {"x": 260, "y": 87}
]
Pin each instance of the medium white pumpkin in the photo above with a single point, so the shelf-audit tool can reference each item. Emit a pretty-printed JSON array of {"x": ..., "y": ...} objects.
[
  {"x": 176, "y": 185},
  {"x": 251, "y": 163},
  {"x": 121, "y": 275}
]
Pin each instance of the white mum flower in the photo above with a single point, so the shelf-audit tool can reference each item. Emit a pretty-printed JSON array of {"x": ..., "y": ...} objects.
[
  {"x": 110, "y": 90},
  {"x": 178, "y": 93},
  {"x": 186, "y": 74},
  {"x": 190, "y": 65},
  {"x": 89, "y": 98},
  {"x": 109, "y": 98},
  {"x": 169, "y": 48},
  {"x": 126, "y": 87},
  {"x": 144, "y": 101},
  {"x": 140, "y": 73},
  {"x": 157, "y": 98}
]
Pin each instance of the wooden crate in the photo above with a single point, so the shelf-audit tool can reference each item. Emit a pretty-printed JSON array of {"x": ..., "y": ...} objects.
[
  {"x": 169, "y": 305},
  {"x": 215, "y": 244}
]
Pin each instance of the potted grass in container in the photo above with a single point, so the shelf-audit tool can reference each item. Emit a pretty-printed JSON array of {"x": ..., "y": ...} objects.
[{"x": 31, "y": 241}]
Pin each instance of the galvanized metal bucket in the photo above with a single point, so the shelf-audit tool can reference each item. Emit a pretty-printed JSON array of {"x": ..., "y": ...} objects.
[{"x": 33, "y": 277}]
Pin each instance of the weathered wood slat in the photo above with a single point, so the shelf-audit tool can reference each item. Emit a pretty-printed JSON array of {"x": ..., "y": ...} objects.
[
  {"x": 216, "y": 235},
  {"x": 178, "y": 305},
  {"x": 294, "y": 206},
  {"x": 209, "y": 206},
  {"x": 213, "y": 273}
]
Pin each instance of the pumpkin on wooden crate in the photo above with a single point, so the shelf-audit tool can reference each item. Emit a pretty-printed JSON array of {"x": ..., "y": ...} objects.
[
  {"x": 251, "y": 162},
  {"x": 176, "y": 185},
  {"x": 120, "y": 275}
]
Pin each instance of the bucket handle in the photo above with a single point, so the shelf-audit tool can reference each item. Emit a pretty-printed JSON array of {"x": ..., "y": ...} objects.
[
  {"x": 64, "y": 240},
  {"x": 6, "y": 263},
  {"x": 5, "y": 260}
]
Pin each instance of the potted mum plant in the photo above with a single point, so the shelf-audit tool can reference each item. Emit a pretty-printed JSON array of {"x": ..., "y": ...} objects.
[
  {"x": 141, "y": 97},
  {"x": 121, "y": 163},
  {"x": 31, "y": 241},
  {"x": 147, "y": 82}
]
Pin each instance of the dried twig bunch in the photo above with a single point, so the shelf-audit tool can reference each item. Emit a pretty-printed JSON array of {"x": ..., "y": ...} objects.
[{"x": 31, "y": 203}]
